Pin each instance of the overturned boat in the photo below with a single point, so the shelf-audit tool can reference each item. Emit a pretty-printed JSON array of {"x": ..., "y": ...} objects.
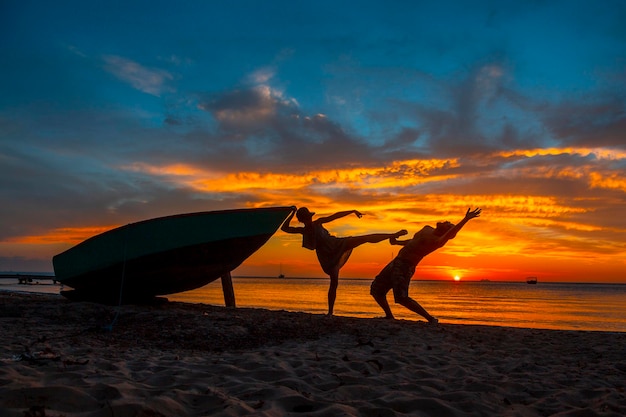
[{"x": 165, "y": 255}]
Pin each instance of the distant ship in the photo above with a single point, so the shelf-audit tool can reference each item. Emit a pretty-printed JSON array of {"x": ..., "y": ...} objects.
[
  {"x": 531, "y": 280},
  {"x": 281, "y": 275}
]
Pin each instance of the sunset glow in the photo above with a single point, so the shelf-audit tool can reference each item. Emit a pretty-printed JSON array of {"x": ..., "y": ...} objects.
[{"x": 331, "y": 107}]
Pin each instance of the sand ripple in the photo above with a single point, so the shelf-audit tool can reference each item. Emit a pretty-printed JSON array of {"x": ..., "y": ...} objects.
[{"x": 60, "y": 358}]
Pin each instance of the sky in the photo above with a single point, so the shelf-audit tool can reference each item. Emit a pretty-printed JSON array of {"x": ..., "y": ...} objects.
[{"x": 408, "y": 111}]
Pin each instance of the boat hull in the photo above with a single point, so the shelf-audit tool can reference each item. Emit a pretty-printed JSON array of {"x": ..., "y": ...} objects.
[{"x": 165, "y": 255}]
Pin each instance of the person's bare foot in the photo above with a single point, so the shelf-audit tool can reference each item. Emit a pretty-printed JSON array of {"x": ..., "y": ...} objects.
[{"x": 401, "y": 233}]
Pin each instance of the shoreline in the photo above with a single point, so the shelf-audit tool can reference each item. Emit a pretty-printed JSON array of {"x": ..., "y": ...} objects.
[
  {"x": 599, "y": 317},
  {"x": 76, "y": 359},
  {"x": 50, "y": 276}
]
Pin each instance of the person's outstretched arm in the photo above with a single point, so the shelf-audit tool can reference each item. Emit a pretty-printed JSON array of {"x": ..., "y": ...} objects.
[
  {"x": 287, "y": 228},
  {"x": 451, "y": 234},
  {"x": 395, "y": 241},
  {"x": 339, "y": 215}
]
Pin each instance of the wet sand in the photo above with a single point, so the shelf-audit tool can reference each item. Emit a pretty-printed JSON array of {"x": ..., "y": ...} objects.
[{"x": 62, "y": 358}]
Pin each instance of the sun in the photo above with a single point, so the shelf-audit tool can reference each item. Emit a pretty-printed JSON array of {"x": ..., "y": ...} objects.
[{"x": 457, "y": 278}]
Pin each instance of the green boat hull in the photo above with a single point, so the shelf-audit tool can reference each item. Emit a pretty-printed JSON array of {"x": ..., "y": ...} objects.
[{"x": 165, "y": 255}]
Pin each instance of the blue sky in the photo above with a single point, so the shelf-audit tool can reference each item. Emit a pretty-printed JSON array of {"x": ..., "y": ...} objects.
[{"x": 112, "y": 112}]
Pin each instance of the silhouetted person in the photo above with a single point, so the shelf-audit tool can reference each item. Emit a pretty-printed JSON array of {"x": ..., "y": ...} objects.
[
  {"x": 398, "y": 273},
  {"x": 332, "y": 252}
]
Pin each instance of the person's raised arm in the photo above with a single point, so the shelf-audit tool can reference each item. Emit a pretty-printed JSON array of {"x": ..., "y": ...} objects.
[
  {"x": 451, "y": 234},
  {"x": 290, "y": 229},
  {"x": 339, "y": 215}
]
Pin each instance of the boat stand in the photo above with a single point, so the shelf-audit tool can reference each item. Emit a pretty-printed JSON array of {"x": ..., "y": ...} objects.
[{"x": 229, "y": 292}]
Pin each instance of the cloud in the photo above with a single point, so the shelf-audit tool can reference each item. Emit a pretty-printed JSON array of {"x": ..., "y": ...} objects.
[
  {"x": 245, "y": 109},
  {"x": 261, "y": 147},
  {"x": 597, "y": 122},
  {"x": 471, "y": 119},
  {"x": 262, "y": 76},
  {"x": 149, "y": 80},
  {"x": 269, "y": 128}
]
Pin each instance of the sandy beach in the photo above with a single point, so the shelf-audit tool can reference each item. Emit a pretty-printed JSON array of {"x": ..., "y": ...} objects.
[{"x": 62, "y": 358}]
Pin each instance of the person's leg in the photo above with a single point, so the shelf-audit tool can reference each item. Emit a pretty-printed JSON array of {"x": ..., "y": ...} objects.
[
  {"x": 381, "y": 299},
  {"x": 332, "y": 292},
  {"x": 354, "y": 241},
  {"x": 415, "y": 307},
  {"x": 380, "y": 287},
  {"x": 401, "y": 279}
]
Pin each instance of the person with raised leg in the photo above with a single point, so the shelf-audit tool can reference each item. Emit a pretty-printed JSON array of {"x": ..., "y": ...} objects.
[{"x": 332, "y": 251}]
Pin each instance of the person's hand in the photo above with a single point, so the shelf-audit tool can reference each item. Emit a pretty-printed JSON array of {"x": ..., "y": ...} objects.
[
  {"x": 358, "y": 214},
  {"x": 472, "y": 213}
]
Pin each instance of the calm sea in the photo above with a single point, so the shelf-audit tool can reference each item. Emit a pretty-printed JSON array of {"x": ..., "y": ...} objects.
[{"x": 562, "y": 306}]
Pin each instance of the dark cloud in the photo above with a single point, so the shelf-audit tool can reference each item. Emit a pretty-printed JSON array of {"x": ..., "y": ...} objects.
[
  {"x": 406, "y": 138},
  {"x": 60, "y": 185},
  {"x": 276, "y": 133},
  {"x": 592, "y": 123},
  {"x": 476, "y": 111},
  {"x": 172, "y": 121}
]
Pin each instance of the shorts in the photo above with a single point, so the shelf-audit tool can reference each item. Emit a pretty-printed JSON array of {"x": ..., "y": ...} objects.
[
  {"x": 333, "y": 254},
  {"x": 397, "y": 276}
]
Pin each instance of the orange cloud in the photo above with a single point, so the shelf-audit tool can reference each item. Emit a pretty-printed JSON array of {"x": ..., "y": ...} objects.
[
  {"x": 613, "y": 181},
  {"x": 71, "y": 235},
  {"x": 517, "y": 235},
  {"x": 397, "y": 175},
  {"x": 600, "y": 153}
]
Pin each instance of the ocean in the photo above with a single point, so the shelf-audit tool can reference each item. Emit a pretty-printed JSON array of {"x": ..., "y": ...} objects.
[{"x": 562, "y": 306}]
